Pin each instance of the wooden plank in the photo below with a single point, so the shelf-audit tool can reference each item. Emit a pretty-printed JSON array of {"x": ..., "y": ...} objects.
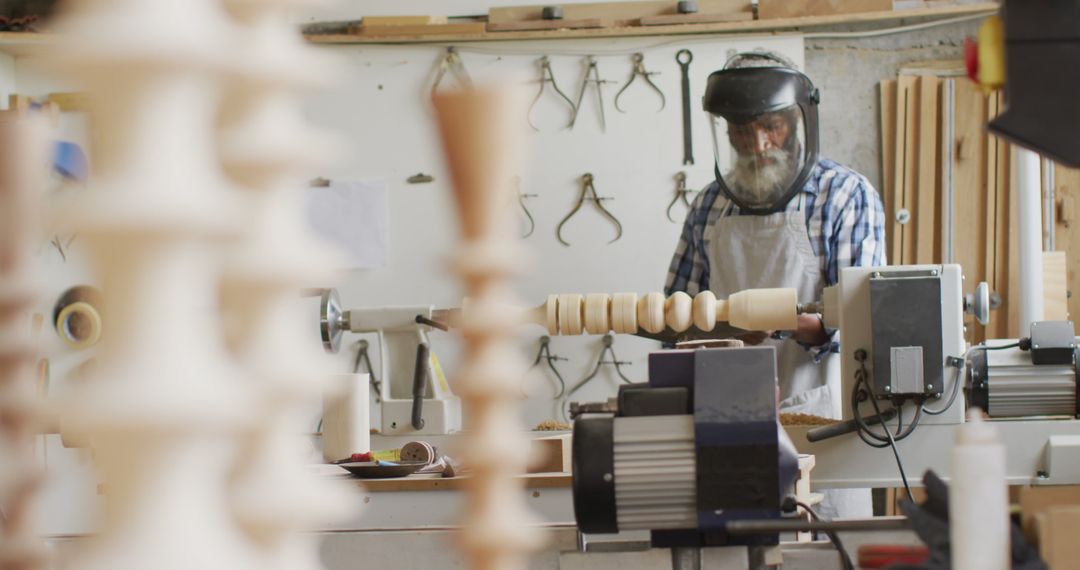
[
  {"x": 431, "y": 30},
  {"x": 935, "y": 67},
  {"x": 906, "y": 164},
  {"x": 1055, "y": 286},
  {"x": 887, "y": 92},
  {"x": 550, "y": 454},
  {"x": 927, "y": 214},
  {"x": 404, "y": 20},
  {"x": 991, "y": 219},
  {"x": 549, "y": 25},
  {"x": 1035, "y": 500},
  {"x": 1067, "y": 227},
  {"x": 695, "y": 19},
  {"x": 1057, "y": 529},
  {"x": 682, "y": 29},
  {"x": 769, "y": 9},
  {"x": 439, "y": 483},
  {"x": 623, "y": 13},
  {"x": 969, "y": 194}
]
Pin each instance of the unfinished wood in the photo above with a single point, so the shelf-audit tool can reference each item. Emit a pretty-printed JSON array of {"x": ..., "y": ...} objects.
[
  {"x": 969, "y": 191},
  {"x": 927, "y": 215},
  {"x": 1057, "y": 529},
  {"x": 550, "y": 454},
  {"x": 769, "y": 9},
  {"x": 1004, "y": 229},
  {"x": 404, "y": 20},
  {"x": 935, "y": 67},
  {"x": 1067, "y": 226},
  {"x": 695, "y": 19},
  {"x": 1035, "y": 500},
  {"x": 422, "y": 30},
  {"x": 1055, "y": 286},
  {"x": 439, "y": 483},
  {"x": 623, "y": 13},
  {"x": 548, "y": 25},
  {"x": 887, "y": 93},
  {"x": 905, "y": 169},
  {"x": 680, "y": 29}
]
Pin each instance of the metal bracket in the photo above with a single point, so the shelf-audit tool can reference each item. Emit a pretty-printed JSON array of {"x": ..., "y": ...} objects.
[
  {"x": 609, "y": 341},
  {"x": 639, "y": 70},
  {"x": 680, "y": 194},
  {"x": 451, "y": 62},
  {"x": 588, "y": 192},
  {"x": 547, "y": 76},
  {"x": 363, "y": 358},
  {"x": 545, "y": 354},
  {"x": 592, "y": 75}
]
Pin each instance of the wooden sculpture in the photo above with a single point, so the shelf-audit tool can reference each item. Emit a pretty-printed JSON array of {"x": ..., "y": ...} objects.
[
  {"x": 626, "y": 313},
  {"x": 171, "y": 414},
  {"x": 23, "y": 169},
  {"x": 481, "y": 141},
  {"x": 267, "y": 148}
]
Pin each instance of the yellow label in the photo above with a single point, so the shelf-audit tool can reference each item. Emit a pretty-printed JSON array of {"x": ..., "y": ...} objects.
[{"x": 444, "y": 387}]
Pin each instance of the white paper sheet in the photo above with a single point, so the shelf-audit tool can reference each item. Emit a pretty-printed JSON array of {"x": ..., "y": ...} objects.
[{"x": 353, "y": 215}]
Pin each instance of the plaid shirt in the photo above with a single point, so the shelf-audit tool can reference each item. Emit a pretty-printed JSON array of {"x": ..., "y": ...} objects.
[{"x": 845, "y": 220}]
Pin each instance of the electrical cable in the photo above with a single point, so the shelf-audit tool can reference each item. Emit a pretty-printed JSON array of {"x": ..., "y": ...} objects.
[
  {"x": 959, "y": 370},
  {"x": 860, "y": 393},
  {"x": 845, "y": 559},
  {"x": 892, "y": 442}
]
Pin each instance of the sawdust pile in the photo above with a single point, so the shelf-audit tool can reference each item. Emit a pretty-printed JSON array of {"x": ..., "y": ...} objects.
[{"x": 804, "y": 420}]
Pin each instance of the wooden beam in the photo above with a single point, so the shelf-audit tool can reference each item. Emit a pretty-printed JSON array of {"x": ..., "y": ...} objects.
[
  {"x": 927, "y": 214},
  {"x": 970, "y": 195},
  {"x": 887, "y": 92},
  {"x": 1067, "y": 227},
  {"x": 907, "y": 111}
]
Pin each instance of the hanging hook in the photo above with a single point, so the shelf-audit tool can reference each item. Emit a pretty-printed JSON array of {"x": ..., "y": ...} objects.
[
  {"x": 588, "y": 192},
  {"x": 680, "y": 194},
  {"x": 608, "y": 350},
  {"x": 547, "y": 76},
  {"x": 592, "y": 75},
  {"x": 545, "y": 354},
  {"x": 524, "y": 208},
  {"x": 639, "y": 70},
  {"x": 363, "y": 358},
  {"x": 451, "y": 62}
]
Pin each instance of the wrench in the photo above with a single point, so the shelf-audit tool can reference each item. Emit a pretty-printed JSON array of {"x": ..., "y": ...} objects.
[{"x": 684, "y": 57}]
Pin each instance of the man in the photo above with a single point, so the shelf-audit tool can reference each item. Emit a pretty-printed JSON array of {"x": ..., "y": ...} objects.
[{"x": 778, "y": 215}]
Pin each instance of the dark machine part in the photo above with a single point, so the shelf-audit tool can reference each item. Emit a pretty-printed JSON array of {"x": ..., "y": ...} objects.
[
  {"x": 1042, "y": 46},
  {"x": 1013, "y": 382},
  {"x": 907, "y": 344},
  {"x": 697, "y": 447}
]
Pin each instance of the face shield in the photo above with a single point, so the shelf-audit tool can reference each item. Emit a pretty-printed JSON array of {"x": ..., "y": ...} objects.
[{"x": 764, "y": 131}]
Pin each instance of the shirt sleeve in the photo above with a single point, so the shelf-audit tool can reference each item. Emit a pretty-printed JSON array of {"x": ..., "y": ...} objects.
[
  {"x": 856, "y": 239},
  {"x": 688, "y": 271}
]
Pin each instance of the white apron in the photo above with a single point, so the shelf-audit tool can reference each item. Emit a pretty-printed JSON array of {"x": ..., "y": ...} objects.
[{"x": 747, "y": 252}]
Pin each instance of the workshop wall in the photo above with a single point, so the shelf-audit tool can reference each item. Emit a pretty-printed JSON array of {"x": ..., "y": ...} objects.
[{"x": 380, "y": 108}]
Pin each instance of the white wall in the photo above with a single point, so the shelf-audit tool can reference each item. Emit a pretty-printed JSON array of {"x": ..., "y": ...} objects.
[{"x": 379, "y": 106}]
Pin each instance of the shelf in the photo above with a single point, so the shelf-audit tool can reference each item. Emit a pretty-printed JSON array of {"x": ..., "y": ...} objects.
[
  {"x": 758, "y": 26},
  {"x": 440, "y": 483},
  {"x": 19, "y": 44}
]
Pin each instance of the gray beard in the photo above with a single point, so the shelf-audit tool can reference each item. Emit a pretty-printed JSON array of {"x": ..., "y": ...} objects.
[{"x": 761, "y": 185}]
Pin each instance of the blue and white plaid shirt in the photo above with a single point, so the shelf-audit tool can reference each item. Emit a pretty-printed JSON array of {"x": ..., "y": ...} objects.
[{"x": 845, "y": 220}]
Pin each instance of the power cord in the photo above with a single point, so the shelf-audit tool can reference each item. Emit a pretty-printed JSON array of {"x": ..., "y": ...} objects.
[
  {"x": 960, "y": 363},
  {"x": 861, "y": 393},
  {"x": 845, "y": 559}
]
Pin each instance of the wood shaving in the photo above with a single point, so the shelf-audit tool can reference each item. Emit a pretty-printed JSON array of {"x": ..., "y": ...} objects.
[
  {"x": 552, "y": 425},
  {"x": 804, "y": 420}
]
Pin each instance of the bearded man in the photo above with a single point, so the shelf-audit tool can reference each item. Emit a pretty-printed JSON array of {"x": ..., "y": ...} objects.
[{"x": 778, "y": 215}]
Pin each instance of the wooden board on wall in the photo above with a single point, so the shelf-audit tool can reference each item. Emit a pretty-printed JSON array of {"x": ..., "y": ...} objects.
[
  {"x": 768, "y": 9},
  {"x": 1067, "y": 227},
  {"x": 927, "y": 214},
  {"x": 621, "y": 13},
  {"x": 904, "y": 168},
  {"x": 1055, "y": 286},
  {"x": 969, "y": 190},
  {"x": 887, "y": 91}
]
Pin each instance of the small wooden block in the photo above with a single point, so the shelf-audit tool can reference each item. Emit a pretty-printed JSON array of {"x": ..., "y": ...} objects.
[
  {"x": 549, "y": 25},
  {"x": 769, "y": 9},
  {"x": 427, "y": 30},
  {"x": 403, "y": 20},
  {"x": 550, "y": 454},
  {"x": 695, "y": 19}
]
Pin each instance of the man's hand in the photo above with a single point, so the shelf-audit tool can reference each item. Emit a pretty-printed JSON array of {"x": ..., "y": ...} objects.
[
  {"x": 754, "y": 338},
  {"x": 810, "y": 330}
]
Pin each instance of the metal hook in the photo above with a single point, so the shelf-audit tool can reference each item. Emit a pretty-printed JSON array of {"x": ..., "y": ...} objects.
[
  {"x": 545, "y": 354},
  {"x": 609, "y": 342},
  {"x": 547, "y": 76},
  {"x": 588, "y": 192},
  {"x": 680, "y": 194},
  {"x": 639, "y": 70},
  {"x": 521, "y": 201},
  {"x": 592, "y": 75},
  {"x": 451, "y": 62},
  {"x": 362, "y": 357}
]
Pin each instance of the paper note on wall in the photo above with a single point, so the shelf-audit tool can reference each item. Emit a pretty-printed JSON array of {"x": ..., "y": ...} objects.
[{"x": 352, "y": 215}]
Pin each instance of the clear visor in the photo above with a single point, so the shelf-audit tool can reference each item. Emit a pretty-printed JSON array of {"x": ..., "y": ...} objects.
[{"x": 759, "y": 160}]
